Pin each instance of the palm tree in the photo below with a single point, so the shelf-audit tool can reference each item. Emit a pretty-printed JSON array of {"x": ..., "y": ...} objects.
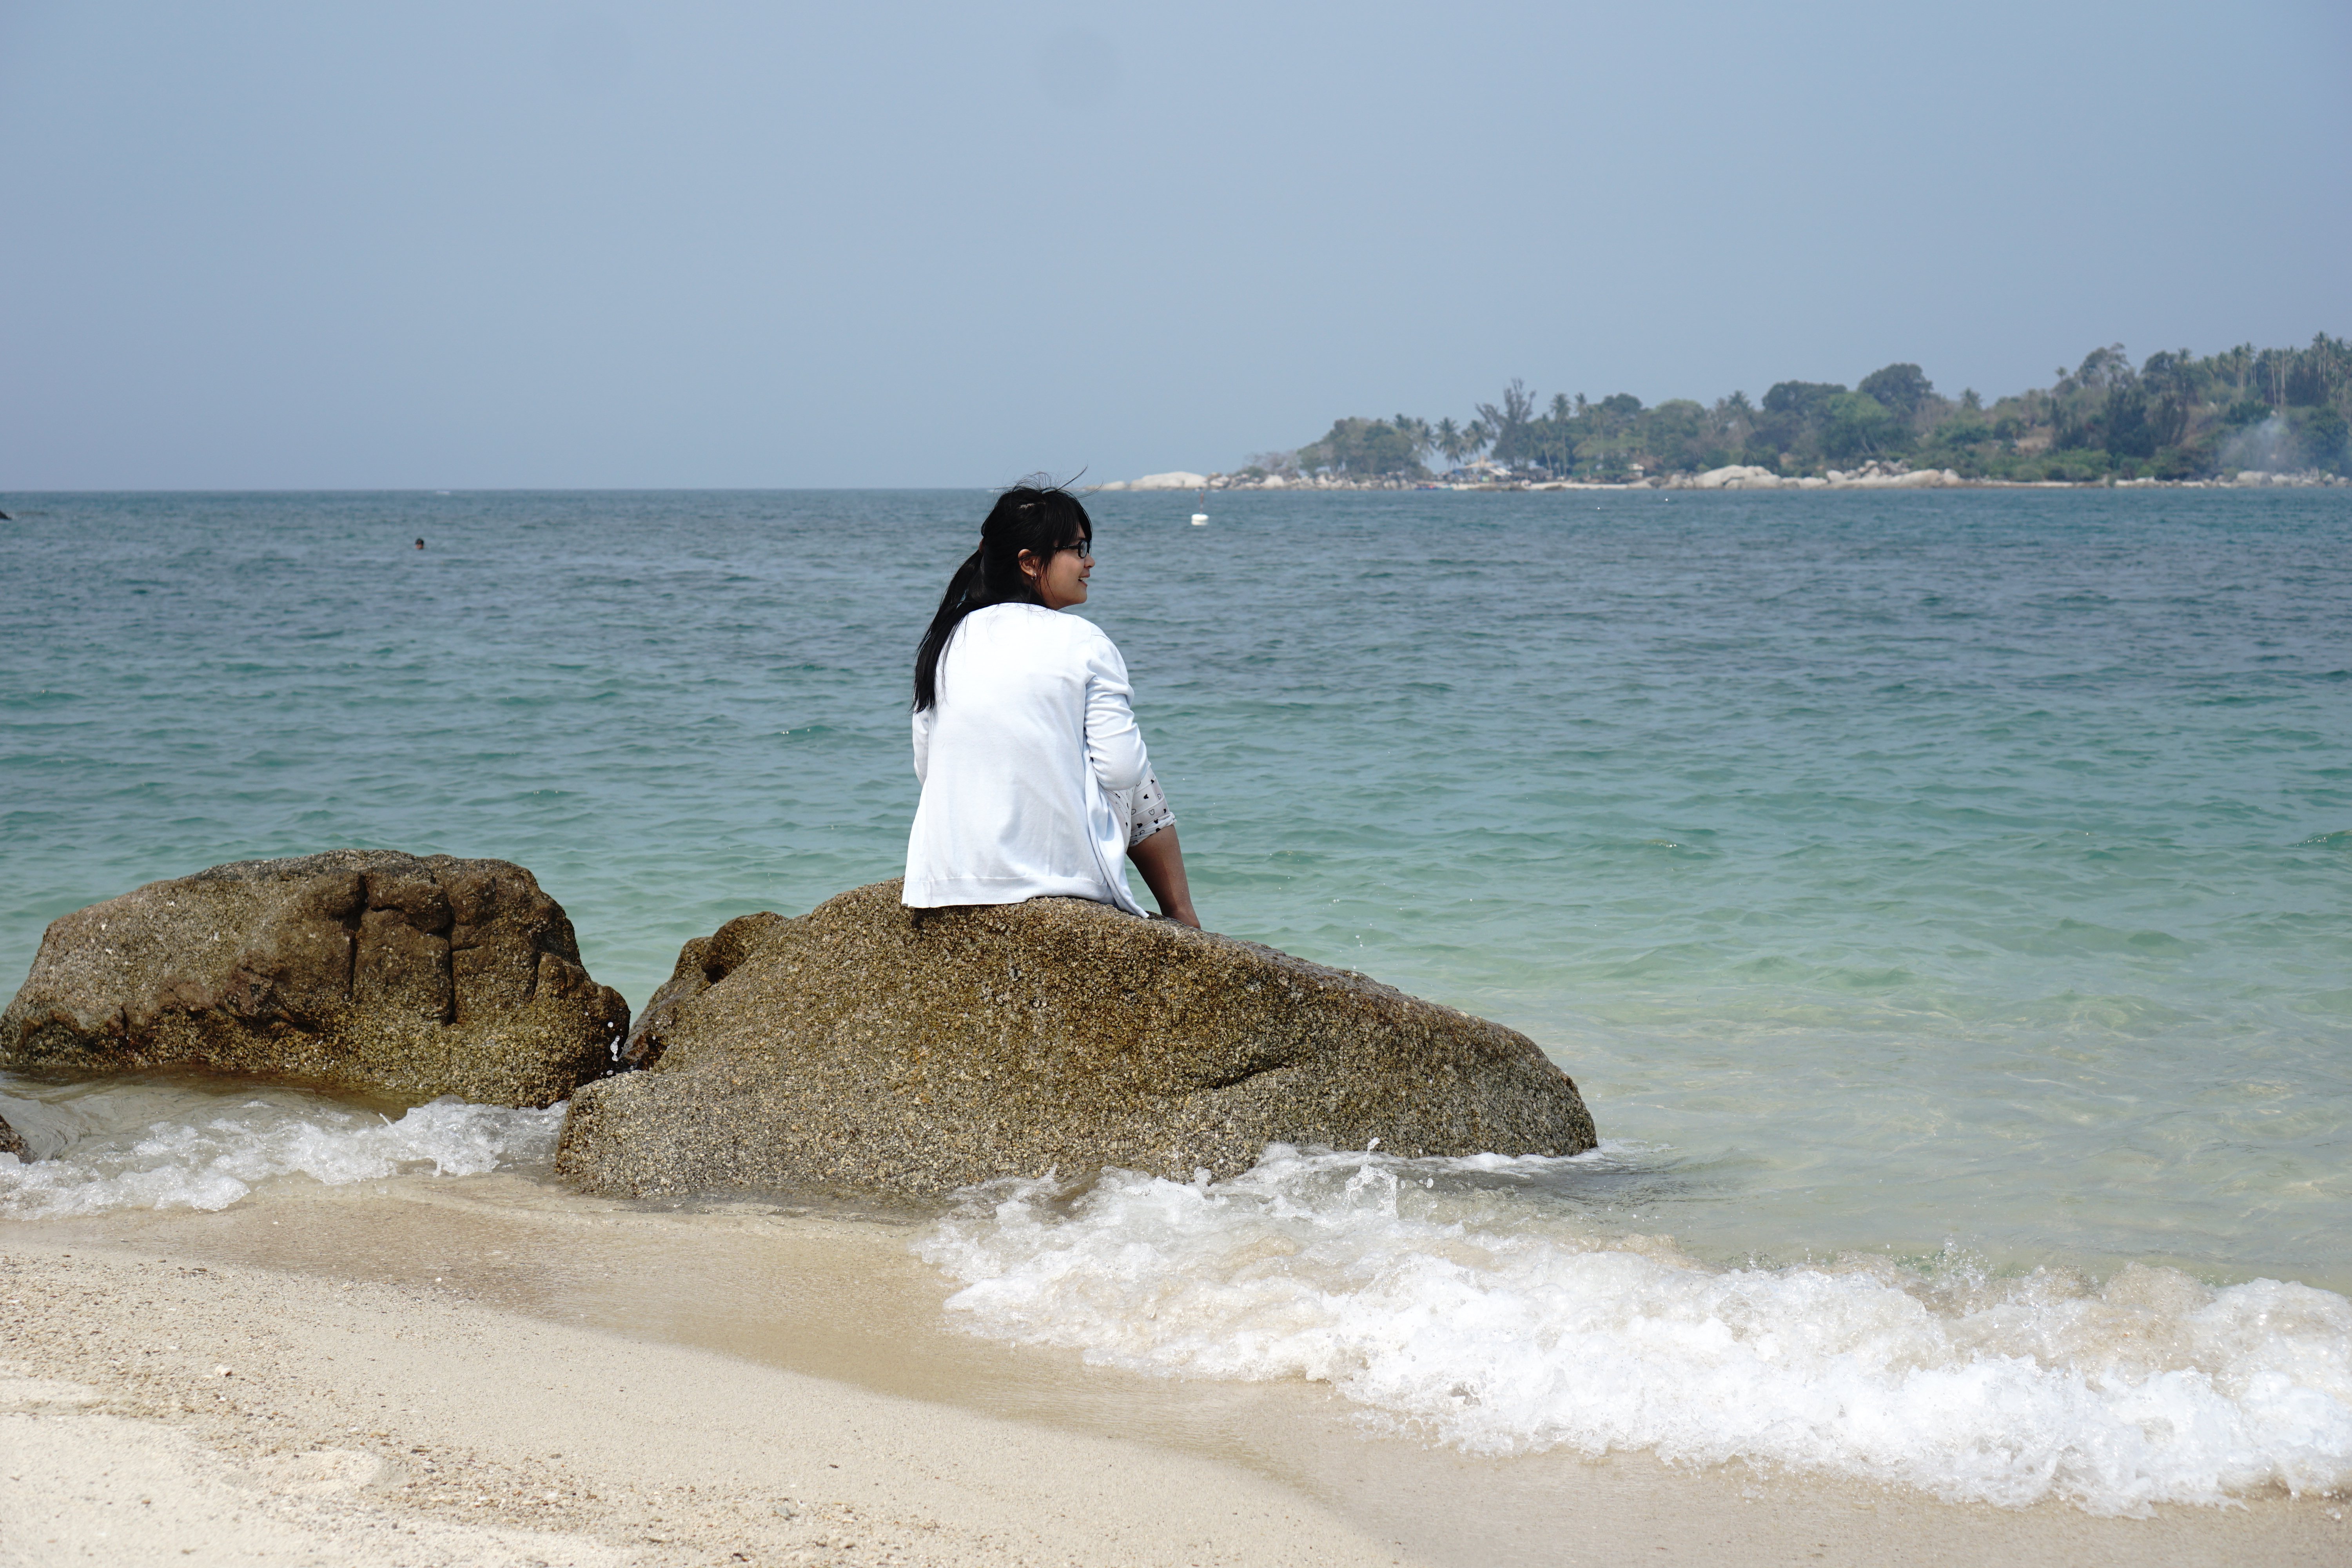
[
  {"x": 1563, "y": 446},
  {"x": 1418, "y": 432},
  {"x": 1451, "y": 443}
]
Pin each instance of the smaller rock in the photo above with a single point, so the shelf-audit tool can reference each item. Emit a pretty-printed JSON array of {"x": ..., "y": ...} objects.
[
  {"x": 10, "y": 1143},
  {"x": 359, "y": 971}
]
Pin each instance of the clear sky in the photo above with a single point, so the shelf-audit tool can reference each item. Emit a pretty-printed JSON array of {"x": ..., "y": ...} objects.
[{"x": 483, "y": 244}]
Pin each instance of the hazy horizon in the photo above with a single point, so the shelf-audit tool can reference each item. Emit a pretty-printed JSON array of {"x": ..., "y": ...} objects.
[{"x": 595, "y": 247}]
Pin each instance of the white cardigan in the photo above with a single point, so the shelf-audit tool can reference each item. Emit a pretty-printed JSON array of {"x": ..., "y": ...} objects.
[{"x": 1030, "y": 733}]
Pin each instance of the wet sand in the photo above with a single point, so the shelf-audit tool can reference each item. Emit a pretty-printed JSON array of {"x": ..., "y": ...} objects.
[{"x": 488, "y": 1371}]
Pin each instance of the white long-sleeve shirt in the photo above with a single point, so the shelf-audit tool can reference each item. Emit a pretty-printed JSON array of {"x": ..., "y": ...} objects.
[{"x": 1030, "y": 733}]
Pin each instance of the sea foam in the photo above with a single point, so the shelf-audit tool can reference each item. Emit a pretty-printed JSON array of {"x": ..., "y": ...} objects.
[
  {"x": 139, "y": 1145},
  {"x": 1502, "y": 1326}
]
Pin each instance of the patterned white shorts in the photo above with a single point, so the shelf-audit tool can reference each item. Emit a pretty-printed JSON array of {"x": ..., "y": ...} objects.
[{"x": 1145, "y": 807}]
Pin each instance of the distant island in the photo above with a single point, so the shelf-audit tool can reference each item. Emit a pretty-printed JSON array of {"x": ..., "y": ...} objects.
[{"x": 2244, "y": 416}]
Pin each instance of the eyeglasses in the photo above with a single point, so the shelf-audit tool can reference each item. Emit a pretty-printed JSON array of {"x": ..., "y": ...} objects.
[{"x": 1084, "y": 547}]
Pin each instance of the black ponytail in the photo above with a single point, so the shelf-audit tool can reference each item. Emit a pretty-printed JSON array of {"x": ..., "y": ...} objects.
[{"x": 1037, "y": 518}]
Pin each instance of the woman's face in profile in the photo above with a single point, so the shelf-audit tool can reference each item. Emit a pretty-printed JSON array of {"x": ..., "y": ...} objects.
[{"x": 1062, "y": 581}]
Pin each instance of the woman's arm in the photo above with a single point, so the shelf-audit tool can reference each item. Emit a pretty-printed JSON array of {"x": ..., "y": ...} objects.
[
  {"x": 1114, "y": 744},
  {"x": 1161, "y": 861}
]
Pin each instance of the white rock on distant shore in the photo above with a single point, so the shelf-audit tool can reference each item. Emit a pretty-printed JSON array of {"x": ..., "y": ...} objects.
[
  {"x": 1871, "y": 476},
  {"x": 1177, "y": 480},
  {"x": 2272, "y": 476},
  {"x": 1881, "y": 479},
  {"x": 1738, "y": 476}
]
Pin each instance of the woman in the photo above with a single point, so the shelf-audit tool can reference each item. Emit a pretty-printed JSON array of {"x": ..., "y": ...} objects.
[{"x": 1035, "y": 777}]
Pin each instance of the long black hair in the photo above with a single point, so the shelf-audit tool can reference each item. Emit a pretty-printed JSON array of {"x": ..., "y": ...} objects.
[{"x": 1031, "y": 516}]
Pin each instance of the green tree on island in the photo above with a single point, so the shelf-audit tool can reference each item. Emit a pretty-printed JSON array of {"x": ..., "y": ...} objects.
[
  {"x": 2175, "y": 416},
  {"x": 1364, "y": 449}
]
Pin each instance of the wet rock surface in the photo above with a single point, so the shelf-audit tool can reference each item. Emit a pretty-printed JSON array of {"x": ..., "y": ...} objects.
[
  {"x": 9, "y": 1143},
  {"x": 365, "y": 971},
  {"x": 867, "y": 1045}
]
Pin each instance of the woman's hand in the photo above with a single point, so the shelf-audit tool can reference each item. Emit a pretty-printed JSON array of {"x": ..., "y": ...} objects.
[{"x": 1161, "y": 861}]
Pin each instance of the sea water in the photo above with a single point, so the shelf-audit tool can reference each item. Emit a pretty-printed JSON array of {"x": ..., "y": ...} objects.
[{"x": 1940, "y": 898}]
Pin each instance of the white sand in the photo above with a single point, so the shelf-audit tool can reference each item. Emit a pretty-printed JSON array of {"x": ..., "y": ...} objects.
[
  {"x": 157, "y": 1410},
  {"x": 761, "y": 1408}
]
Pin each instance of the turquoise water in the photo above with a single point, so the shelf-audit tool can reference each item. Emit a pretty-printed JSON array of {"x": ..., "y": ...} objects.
[{"x": 1915, "y": 873}]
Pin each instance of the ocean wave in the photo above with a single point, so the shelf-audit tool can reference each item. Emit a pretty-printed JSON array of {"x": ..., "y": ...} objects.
[
  {"x": 1503, "y": 1325},
  {"x": 142, "y": 1146}
]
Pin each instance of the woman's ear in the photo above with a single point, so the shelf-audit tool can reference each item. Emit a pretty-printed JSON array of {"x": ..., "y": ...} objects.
[{"x": 1031, "y": 567}]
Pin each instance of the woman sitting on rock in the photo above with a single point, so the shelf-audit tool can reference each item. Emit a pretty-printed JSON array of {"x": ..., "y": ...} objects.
[{"x": 1035, "y": 778}]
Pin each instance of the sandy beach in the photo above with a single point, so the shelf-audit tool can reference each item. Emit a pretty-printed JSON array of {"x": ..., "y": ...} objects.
[
  {"x": 490, "y": 1371},
  {"x": 178, "y": 1407}
]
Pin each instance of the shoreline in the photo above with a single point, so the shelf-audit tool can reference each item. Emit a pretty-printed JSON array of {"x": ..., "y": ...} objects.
[
  {"x": 1871, "y": 476},
  {"x": 490, "y": 1370},
  {"x": 1805, "y": 485}
]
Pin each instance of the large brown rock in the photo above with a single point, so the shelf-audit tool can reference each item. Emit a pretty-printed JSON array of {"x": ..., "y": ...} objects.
[
  {"x": 868, "y": 1045},
  {"x": 361, "y": 970}
]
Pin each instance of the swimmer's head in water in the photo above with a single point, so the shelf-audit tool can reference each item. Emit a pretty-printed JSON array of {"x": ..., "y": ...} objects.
[{"x": 420, "y": 544}]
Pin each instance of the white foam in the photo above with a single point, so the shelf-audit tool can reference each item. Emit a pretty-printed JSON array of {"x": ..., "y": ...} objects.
[
  {"x": 138, "y": 1146},
  {"x": 1504, "y": 1326}
]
